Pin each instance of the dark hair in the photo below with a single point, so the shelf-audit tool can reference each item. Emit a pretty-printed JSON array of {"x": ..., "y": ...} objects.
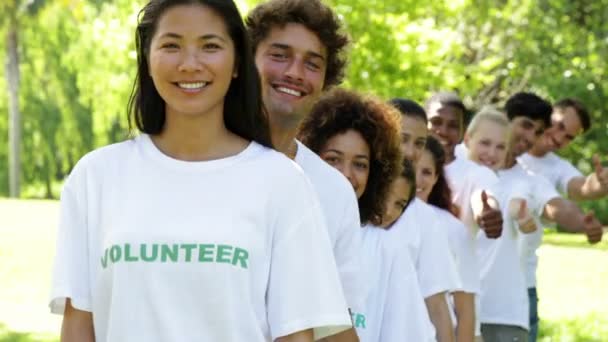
[
  {"x": 316, "y": 17},
  {"x": 446, "y": 98},
  {"x": 409, "y": 174},
  {"x": 530, "y": 106},
  {"x": 441, "y": 194},
  {"x": 378, "y": 123},
  {"x": 243, "y": 110},
  {"x": 409, "y": 108},
  {"x": 579, "y": 108}
]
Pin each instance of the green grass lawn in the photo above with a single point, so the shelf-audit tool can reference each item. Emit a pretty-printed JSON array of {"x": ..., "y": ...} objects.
[{"x": 573, "y": 279}]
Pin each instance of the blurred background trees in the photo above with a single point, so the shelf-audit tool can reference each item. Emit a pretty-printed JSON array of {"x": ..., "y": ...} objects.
[{"x": 76, "y": 67}]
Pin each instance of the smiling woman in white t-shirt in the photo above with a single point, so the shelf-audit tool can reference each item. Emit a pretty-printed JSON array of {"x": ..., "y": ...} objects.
[
  {"x": 504, "y": 299},
  {"x": 433, "y": 188},
  {"x": 196, "y": 230},
  {"x": 360, "y": 136}
]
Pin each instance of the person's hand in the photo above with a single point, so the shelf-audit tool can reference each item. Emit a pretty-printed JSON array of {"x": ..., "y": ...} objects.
[
  {"x": 601, "y": 173},
  {"x": 490, "y": 219},
  {"x": 592, "y": 228},
  {"x": 524, "y": 219}
]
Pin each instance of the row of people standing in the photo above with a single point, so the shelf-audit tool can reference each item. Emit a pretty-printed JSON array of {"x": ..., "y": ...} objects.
[{"x": 199, "y": 229}]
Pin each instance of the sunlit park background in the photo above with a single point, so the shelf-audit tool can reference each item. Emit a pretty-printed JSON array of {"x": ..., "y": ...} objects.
[{"x": 69, "y": 66}]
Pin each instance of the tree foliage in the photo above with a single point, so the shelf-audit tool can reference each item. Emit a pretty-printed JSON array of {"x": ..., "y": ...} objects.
[{"x": 78, "y": 66}]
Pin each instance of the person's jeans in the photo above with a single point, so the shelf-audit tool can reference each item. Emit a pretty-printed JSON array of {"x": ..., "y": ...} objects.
[{"x": 533, "y": 298}]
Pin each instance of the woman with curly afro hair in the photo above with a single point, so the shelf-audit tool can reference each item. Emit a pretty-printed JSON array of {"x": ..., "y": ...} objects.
[{"x": 359, "y": 136}]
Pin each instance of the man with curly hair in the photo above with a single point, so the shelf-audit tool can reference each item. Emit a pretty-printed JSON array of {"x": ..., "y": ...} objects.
[{"x": 298, "y": 48}]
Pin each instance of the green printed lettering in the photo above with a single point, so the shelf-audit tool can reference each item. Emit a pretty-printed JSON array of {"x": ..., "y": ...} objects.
[
  {"x": 360, "y": 322},
  {"x": 104, "y": 259},
  {"x": 115, "y": 253},
  {"x": 188, "y": 248},
  {"x": 144, "y": 256},
  {"x": 223, "y": 253},
  {"x": 169, "y": 251},
  {"x": 241, "y": 256},
  {"x": 128, "y": 256},
  {"x": 205, "y": 253}
]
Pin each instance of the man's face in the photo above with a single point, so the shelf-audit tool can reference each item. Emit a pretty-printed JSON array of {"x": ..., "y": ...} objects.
[
  {"x": 524, "y": 134},
  {"x": 445, "y": 124},
  {"x": 565, "y": 127},
  {"x": 291, "y": 61}
]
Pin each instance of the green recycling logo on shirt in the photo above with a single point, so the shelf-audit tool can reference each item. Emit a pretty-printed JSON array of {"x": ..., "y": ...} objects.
[{"x": 174, "y": 253}]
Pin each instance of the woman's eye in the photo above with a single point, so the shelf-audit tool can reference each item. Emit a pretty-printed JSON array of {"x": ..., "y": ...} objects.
[
  {"x": 211, "y": 46},
  {"x": 361, "y": 166}
]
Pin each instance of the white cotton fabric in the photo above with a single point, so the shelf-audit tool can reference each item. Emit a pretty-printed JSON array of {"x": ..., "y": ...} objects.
[
  {"x": 394, "y": 309},
  {"x": 242, "y": 251},
  {"x": 339, "y": 205},
  {"x": 558, "y": 171}
]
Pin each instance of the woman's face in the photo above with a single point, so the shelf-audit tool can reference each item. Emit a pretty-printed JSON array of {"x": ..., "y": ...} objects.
[
  {"x": 488, "y": 145},
  {"x": 426, "y": 175},
  {"x": 350, "y": 154},
  {"x": 192, "y": 60},
  {"x": 397, "y": 201}
]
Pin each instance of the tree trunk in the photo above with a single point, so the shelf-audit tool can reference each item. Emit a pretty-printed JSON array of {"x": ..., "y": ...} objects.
[{"x": 14, "y": 129}]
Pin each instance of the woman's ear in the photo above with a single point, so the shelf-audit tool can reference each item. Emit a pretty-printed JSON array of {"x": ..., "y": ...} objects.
[{"x": 466, "y": 140}]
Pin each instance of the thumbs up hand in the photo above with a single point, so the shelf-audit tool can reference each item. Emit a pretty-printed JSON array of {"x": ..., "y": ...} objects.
[
  {"x": 524, "y": 219},
  {"x": 592, "y": 228},
  {"x": 601, "y": 173},
  {"x": 490, "y": 219}
]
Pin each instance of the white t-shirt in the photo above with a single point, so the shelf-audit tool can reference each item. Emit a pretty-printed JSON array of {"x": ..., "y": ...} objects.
[
  {"x": 462, "y": 247},
  {"x": 461, "y": 151},
  {"x": 504, "y": 296},
  {"x": 158, "y": 249},
  {"x": 339, "y": 205},
  {"x": 557, "y": 170},
  {"x": 467, "y": 179},
  {"x": 542, "y": 192},
  {"x": 394, "y": 309},
  {"x": 429, "y": 248}
]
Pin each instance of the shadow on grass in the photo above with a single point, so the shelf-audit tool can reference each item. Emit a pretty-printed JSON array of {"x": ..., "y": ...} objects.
[
  {"x": 591, "y": 328},
  {"x": 11, "y": 336}
]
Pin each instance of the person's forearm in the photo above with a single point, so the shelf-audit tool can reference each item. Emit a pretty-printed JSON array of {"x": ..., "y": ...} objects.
[
  {"x": 349, "y": 335},
  {"x": 464, "y": 305},
  {"x": 440, "y": 317},
  {"x": 565, "y": 213},
  {"x": 300, "y": 336},
  {"x": 77, "y": 325},
  {"x": 586, "y": 188}
]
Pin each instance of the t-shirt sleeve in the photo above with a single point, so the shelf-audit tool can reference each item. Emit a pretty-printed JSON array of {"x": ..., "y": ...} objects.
[
  {"x": 304, "y": 290},
  {"x": 543, "y": 193},
  {"x": 466, "y": 260},
  {"x": 565, "y": 172},
  {"x": 70, "y": 278},
  {"x": 347, "y": 251},
  {"x": 436, "y": 267},
  {"x": 405, "y": 316}
]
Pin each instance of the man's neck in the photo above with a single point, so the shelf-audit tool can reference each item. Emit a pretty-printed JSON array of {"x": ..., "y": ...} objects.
[
  {"x": 538, "y": 152},
  {"x": 283, "y": 140},
  {"x": 510, "y": 161},
  {"x": 449, "y": 157}
]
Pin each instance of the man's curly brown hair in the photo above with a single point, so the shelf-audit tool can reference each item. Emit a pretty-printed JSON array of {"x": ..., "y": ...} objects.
[
  {"x": 316, "y": 17},
  {"x": 378, "y": 123}
]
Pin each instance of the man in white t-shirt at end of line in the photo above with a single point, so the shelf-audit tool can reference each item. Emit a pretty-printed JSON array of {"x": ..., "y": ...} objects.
[
  {"x": 569, "y": 120},
  {"x": 299, "y": 52}
]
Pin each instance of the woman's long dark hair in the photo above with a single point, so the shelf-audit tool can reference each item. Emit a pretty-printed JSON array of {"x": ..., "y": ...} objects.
[
  {"x": 243, "y": 110},
  {"x": 441, "y": 194}
]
